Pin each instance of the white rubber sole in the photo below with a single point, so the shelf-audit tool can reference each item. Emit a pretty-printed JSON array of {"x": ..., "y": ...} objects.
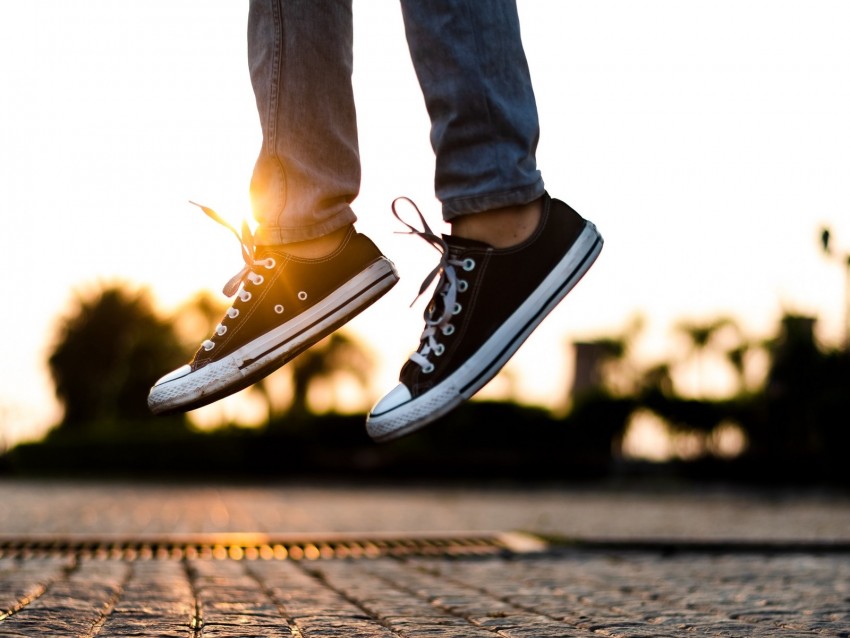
[
  {"x": 185, "y": 389},
  {"x": 398, "y": 415}
]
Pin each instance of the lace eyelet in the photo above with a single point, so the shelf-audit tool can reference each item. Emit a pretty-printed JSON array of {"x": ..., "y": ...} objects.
[
  {"x": 462, "y": 285},
  {"x": 468, "y": 264},
  {"x": 245, "y": 295},
  {"x": 220, "y": 330},
  {"x": 439, "y": 349},
  {"x": 302, "y": 295},
  {"x": 232, "y": 313},
  {"x": 270, "y": 263},
  {"x": 428, "y": 369},
  {"x": 456, "y": 310},
  {"x": 208, "y": 345},
  {"x": 257, "y": 280},
  {"x": 278, "y": 309},
  {"x": 448, "y": 329}
]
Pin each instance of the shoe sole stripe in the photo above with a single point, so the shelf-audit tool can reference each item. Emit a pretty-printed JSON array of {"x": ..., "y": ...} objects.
[
  {"x": 444, "y": 397},
  {"x": 243, "y": 367}
]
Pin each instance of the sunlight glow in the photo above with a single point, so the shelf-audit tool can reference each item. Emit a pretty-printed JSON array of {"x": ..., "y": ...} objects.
[
  {"x": 649, "y": 438},
  {"x": 243, "y": 409}
]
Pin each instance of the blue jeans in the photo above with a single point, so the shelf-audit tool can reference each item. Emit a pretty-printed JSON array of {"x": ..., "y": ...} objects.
[{"x": 473, "y": 73}]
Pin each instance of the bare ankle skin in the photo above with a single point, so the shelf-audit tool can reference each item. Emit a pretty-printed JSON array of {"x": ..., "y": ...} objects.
[
  {"x": 317, "y": 248},
  {"x": 500, "y": 227}
]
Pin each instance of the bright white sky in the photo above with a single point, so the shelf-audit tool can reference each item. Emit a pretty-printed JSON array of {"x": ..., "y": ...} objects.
[{"x": 709, "y": 141}]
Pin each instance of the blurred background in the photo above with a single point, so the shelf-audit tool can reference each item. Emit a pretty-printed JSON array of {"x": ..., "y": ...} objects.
[{"x": 709, "y": 142}]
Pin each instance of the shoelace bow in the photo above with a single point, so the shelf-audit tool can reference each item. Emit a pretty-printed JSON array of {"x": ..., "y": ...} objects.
[
  {"x": 447, "y": 288},
  {"x": 246, "y": 240}
]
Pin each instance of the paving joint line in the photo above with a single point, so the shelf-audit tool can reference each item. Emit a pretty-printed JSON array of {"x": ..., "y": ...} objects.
[
  {"x": 318, "y": 576},
  {"x": 40, "y": 590},
  {"x": 430, "y": 600},
  {"x": 196, "y": 622},
  {"x": 111, "y": 603},
  {"x": 291, "y": 623},
  {"x": 435, "y": 572}
]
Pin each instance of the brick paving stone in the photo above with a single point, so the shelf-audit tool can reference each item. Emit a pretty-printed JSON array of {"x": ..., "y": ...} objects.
[
  {"x": 312, "y": 608},
  {"x": 230, "y": 602},
  {"x": 451, "y": 608},
  {"x": 74, "y": 605},
  {"x": 22, "y": 581},
  {"x": 298, "y": 593},
  {"x": 383, "y": 588},
  {"x": 157, "y": 600}
]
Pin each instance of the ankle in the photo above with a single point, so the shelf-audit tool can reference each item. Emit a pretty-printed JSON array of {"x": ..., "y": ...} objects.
[
  {"x": 500, "y": 227},
  {"x": 318, "y": 247}
]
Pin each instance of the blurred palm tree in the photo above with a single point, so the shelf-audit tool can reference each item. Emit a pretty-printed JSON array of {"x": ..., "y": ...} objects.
[
  {"x": 703, "y": 338},
  {"x": 197, "y": 318},
  {"x": 330, "y": 362},
  {"x": 107, "y": 353},
  {"x": 843, "y": 259},
  {"x": 608, "y": 364}
]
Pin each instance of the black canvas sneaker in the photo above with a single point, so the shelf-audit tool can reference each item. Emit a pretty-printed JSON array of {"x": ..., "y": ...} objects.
[
  {"x": 284, "y": 304},
  {"x": 486, "y": 303}
]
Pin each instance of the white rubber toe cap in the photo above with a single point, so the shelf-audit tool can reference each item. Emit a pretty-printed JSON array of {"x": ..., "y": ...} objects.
[
  {"x": 399, "y": 395},
  {"x": 182, "y": 371}
]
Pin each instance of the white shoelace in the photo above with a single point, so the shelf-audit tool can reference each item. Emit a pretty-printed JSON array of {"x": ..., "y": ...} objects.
[
  {"x": 448, "y": 284},
  {"x": 246, "y": 240}
]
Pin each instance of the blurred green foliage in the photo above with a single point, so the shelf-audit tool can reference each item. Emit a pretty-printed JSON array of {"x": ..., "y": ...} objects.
[{"x": 112, "y": 346}]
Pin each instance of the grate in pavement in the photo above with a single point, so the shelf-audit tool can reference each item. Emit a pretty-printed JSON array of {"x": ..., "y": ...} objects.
[{"x": 267, "y": 547}]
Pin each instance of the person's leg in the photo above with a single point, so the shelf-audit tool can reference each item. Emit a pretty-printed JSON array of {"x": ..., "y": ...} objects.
[
  {"x": 514, "y": 252},
  {"x": 306, "y": 271},
  {"x": 308, "y": 169},
  {"x": 471, "y": 66}
]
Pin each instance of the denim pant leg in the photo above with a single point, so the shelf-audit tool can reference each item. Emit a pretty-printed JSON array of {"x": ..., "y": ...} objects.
[
  {"x": 472, "y": 69},
  {"x": 308, "y": 170}
]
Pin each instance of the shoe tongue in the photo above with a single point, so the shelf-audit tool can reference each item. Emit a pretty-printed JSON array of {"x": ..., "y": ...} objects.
[
  {"x": 462, "y": 243},
  {"x": 260, "y": 251}
]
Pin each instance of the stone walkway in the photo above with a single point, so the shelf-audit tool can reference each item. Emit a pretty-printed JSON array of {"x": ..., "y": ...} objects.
[{"x": 90, "y": 559}]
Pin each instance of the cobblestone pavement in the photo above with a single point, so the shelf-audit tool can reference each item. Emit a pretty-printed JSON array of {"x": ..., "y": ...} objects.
[
  {"x": 567, "y": 593},
  {"x": 697, "y": 582}
]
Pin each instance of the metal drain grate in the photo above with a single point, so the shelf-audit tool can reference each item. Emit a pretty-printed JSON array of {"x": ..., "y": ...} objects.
[{"x": 268, "y": 547}]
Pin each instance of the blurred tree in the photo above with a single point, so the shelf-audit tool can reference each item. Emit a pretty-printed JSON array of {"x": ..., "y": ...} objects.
[
  {"x": 740, "y": 355},
  {"x": 792, "y": 413},
  {"x": 197, "y": 318},
  {"x": 608, "y": 364},
  {"x": 333, "y": 359},
  {"x": 334, "y": 356},
  {"x": 843, "y": 259},
  {"x": 702, "y": 337},
  {"x": 108, "y": 351}
]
